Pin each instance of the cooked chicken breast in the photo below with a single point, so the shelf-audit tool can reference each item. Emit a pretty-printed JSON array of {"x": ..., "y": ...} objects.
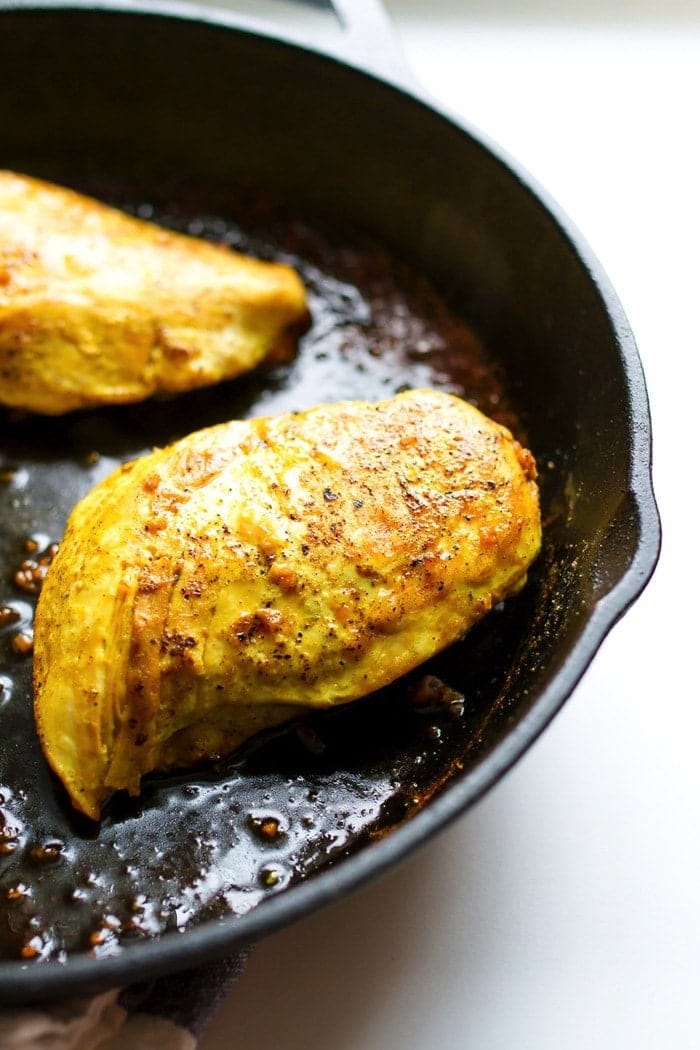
[
  {"x": 257, "y": 570},
  {"x": 97, "y": 307}
]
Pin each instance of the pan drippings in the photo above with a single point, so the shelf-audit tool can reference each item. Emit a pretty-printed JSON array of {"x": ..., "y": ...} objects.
[{"x": 222, "y": 840}]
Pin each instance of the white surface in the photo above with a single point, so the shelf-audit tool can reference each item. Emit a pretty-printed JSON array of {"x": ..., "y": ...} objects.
[{"x": 562, "y": 912}]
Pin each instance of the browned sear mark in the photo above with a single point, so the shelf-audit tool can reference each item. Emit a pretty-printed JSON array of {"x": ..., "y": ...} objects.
[{"x": 175, "y": 643}]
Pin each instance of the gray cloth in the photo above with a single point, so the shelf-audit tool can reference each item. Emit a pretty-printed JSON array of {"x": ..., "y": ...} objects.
[{"x": 171, "y": 1011}]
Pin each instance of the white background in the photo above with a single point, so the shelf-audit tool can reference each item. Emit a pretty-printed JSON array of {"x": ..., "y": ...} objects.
[{"x": 562, "y": 912}]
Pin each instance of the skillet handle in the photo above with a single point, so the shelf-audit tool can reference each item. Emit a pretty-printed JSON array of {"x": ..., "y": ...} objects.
[
  {"x": 372, "y": 38},
  {"x": 369, "y": 38}
]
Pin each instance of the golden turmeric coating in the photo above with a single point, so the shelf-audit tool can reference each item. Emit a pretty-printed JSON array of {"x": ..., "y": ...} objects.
[
  {"x": 257, "y": 570},
  {"x": 97, "y": 307}
]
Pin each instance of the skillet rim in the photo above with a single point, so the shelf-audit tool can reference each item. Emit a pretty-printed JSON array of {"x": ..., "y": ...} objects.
[{"x": 31, "y": 981}]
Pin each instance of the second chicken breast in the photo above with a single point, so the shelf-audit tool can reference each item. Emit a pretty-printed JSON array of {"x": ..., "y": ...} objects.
[{"x": 97, "y": 307}]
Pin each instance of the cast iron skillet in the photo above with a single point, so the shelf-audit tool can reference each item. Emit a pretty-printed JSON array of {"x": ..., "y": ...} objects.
[{"x": 217, "y": 126}]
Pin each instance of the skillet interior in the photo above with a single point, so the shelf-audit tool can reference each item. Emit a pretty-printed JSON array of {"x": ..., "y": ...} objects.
[{"x": 137, "y": 107}]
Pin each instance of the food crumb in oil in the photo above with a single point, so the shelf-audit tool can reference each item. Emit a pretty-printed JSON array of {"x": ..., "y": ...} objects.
[
  {"x": 31, "y": 573},
  {"x": 23, "y": 643},
  {"x": 430, "y": 696},
  {"x": 8, "y": 615},
  {"x": 266, "y": 828},
  {"x": 47, "y": 851},
  {"x": 32, "y": 948},
  {"x": 16, "y": 893}
]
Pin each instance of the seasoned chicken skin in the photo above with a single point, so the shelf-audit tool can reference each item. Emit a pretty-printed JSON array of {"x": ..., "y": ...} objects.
[
  {"x": 97, "y": 307},
  {"x": 257, "y": 570}
]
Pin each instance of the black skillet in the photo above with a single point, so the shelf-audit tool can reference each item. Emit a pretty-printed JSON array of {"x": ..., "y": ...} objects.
[{"x": 412, "y": 234}]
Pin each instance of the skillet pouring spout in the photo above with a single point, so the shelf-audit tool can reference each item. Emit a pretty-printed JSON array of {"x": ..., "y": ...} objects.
[{"x": 454, "y": 272}]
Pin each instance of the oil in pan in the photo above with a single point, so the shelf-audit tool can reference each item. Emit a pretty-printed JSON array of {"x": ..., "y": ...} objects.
[{"x": 221, "y": 840}]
